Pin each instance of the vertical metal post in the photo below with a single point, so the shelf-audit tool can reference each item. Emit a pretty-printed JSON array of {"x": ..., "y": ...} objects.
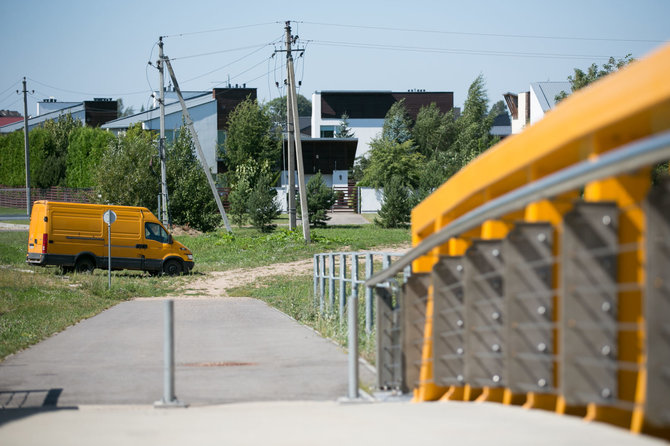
[
  {"x": 169, "y": 398},
  {"x": 331, "y": 283},
  {"x": 353, "y": 330},
  {"x": 163, "y": 208},
  {"x": 316, "y": 276},
  {"x": 109, "y": 254},
  {"x": 168, "y": 353},
  {"x": 369, "y": 310},
  {"x": 322, "y": 279},
  {"x": 343, "y": 286}
]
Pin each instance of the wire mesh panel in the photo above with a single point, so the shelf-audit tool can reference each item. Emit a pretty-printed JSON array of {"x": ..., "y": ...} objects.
[
  {"x": 528, "y": 254},
  {"x": 657, "y": 311},
  {"x": 449, "y": 322},
  {"x": 390, "y": 364},
  {"x": 414, "y": 299},
  {"x": 484, "y": 308},
  {"x": 589, "y": 304}
]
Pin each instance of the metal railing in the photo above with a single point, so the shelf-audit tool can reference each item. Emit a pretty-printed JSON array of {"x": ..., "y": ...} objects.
[
  {"x": 337, "y": 280},
  {"x": 540, "y": 269}
]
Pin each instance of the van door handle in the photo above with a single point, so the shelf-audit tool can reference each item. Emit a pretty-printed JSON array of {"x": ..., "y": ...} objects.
[{"x": 141, "y": 246}]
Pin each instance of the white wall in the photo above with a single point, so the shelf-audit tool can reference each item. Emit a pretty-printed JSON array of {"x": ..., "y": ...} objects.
[
  {"x": 536, "y": 112},
  {"x": 371, "y": 199},
  {"x": 48, "y": 107},
  {"x": 204, "y": 121}
]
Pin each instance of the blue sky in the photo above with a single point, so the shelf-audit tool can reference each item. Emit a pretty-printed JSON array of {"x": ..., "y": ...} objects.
[{"x": 77, "y": 50}]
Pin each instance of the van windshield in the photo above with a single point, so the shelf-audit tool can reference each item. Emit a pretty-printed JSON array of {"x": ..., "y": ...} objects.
[{"x": 154, "y": 231}]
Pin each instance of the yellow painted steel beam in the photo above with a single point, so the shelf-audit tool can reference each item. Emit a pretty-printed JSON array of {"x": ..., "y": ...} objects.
[{"x": 625, "y": 106}]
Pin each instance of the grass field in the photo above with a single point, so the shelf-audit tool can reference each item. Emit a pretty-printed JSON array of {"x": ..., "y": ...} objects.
[{"x": 36, "y": 302}]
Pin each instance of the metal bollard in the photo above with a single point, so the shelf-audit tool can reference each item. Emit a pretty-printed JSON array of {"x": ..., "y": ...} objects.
[
  {"x": 343, "y": 286},
  {"x": 169, "y": 398}
]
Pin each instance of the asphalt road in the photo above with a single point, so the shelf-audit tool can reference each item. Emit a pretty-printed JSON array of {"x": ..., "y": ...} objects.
[{"x": 226, "y": 350}]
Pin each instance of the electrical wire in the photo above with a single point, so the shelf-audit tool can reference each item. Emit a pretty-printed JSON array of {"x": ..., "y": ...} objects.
[
  {"x": 219, "y": 52},
  {"x": 11, "y": 87},
  {"x": 247, "y": 70},
  {"x": 517, "y": 36},
  {"x": 86, "y": 93},
  {"x": 418, "y": 49},
  {"x": 228, "y": 64},
  {"x": 220, "y": 29}
]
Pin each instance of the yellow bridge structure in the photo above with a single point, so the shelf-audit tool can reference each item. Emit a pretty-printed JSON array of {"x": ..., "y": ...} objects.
[{"x": 541, "y": 270}]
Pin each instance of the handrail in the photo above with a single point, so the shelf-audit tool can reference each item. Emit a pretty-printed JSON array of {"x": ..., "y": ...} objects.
[{"x": 630, "y": 157}]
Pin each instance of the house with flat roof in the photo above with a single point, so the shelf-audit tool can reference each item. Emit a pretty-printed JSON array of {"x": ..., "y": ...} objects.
[{"x": 366, "y": 111}]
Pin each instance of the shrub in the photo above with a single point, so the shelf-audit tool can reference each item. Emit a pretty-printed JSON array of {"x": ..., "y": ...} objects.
[
  {"x": 261, "y": 205},
  {"x": 320, "y": 199},
  {"x": 397, "y": 206}
]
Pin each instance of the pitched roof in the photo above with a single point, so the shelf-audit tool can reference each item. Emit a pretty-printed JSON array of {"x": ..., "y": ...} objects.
[{"x": 547, "y": 91}]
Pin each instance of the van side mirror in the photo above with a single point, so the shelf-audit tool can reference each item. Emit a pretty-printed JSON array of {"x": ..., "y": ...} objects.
[{"x": 170, "y": 239}]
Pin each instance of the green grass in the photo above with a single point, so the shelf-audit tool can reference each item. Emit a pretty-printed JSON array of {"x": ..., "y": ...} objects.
[
  {"x": 293, "y": 295},
  {"x": 37, "y": 302},
  {"x": 12, "y": 211},
  {"x": 246, "y": 247}
]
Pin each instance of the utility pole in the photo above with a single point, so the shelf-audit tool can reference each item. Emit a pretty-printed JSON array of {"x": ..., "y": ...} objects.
[
  {"x": 196, "y": 142},
  {"x": 298, "y": 142},
  {"x": 27, "y": 147},
  {"x": 290, "y": 129},
  {"x": 161, "y": 140}
]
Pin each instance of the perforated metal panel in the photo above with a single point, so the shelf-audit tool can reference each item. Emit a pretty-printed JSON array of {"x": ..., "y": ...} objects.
[
  {"x": 484, "y": 314},
  {"x": 657, "y": 305},
  {"x": 528, "y": 254},
  {"x": 390, "y": 363},
  {"x": 588, "y": 346},
  {"x": 414, "y": 299},
  {"x": 449, "y": 322}
]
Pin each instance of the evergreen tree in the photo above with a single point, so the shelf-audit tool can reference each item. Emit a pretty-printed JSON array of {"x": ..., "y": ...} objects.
[
  {"x": 397, "y": 124},
  {"x": 320, "y": 198},
  {"x": 397, "y": 206},
  {"x": 343, "y": 130},
  {"x": 262, "y": 206}
]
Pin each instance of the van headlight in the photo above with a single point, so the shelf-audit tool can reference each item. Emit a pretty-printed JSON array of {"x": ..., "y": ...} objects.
[{"x": 190, "y": 256}]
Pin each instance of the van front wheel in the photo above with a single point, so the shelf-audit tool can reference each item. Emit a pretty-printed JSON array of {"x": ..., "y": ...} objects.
[
  {"x": 172, "y": 268},
  {"x": 84, "y": 265}
]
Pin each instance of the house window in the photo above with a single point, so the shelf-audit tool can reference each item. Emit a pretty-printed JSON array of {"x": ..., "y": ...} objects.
[{"x": 328, "y": 131}]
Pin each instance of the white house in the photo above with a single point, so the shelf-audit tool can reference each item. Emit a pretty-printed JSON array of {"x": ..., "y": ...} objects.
[
  {"x": 366, "y": 111},
  {"x": 530, "y": 106}
]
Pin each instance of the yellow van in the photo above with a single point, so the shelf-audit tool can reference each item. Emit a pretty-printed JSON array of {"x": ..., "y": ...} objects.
[{"x": 74, "y": 236}]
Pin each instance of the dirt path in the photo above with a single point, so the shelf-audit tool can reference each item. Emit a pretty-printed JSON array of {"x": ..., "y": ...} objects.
[{"x": 215, "y": 284}]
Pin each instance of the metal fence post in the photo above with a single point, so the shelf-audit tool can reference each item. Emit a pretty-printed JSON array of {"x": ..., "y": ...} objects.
[
  {"x": 331, "y": 283},
  {"x": 369, "y": 311},
  {"x": 322, "y": 279},
  {"x": 343, "y": 286},
  {"x": 316, "y": 276},
  {"x": 353, "y": 330}
]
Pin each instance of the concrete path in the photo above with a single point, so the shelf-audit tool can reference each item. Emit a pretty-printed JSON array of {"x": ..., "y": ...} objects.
[
  {"x": 346, "y": 218},
  {"x": 227, "y": 350},
  {"x": 313, "y": 423}
]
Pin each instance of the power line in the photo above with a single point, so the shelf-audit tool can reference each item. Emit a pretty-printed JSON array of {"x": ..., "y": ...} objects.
[
  {"x": 87, "y": 93},
  {"x": 518, "y": 36},
  {"x": 220, "y": 29},
  {"x": 221, "y": 51},
  {"x": 418, "y": 49}
]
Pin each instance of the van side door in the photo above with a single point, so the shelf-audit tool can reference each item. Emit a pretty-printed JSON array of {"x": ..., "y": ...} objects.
[{"x": 155, "y": 239}]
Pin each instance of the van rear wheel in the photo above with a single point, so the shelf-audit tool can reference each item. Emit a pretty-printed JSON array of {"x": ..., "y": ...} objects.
[
  {"x": 84, "y": 265},
  {"x": 172, "y": 268}
]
